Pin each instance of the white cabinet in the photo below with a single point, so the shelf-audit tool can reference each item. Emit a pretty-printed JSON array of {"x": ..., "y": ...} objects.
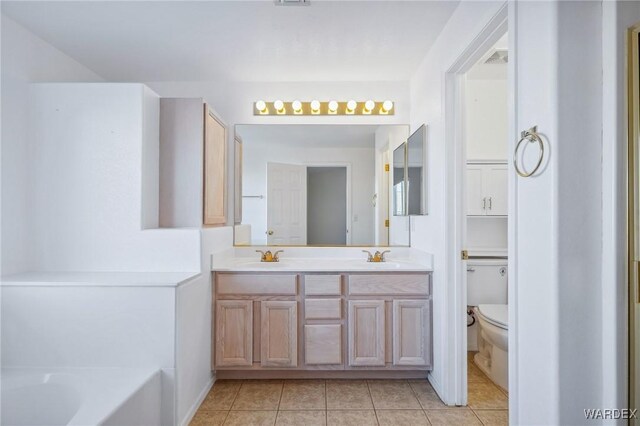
[
  {"x": 366, "y": 333},
  {"x": 486, "y": 189}
]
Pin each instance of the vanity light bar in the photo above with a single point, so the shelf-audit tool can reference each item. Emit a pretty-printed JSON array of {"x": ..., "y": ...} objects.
[{"x": 332, "y": 107}]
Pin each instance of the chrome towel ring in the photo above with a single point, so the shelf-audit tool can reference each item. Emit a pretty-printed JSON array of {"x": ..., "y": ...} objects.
[{"x": 530, "y": 136}]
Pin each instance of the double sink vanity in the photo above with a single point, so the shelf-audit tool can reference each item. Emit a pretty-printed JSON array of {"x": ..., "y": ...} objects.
[{"x": 311, "y": 315}]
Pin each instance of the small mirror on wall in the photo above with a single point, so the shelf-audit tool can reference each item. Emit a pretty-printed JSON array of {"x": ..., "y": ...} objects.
[
  {"x": 416, "y": 186},
  {"x": 400, "y": 180}
]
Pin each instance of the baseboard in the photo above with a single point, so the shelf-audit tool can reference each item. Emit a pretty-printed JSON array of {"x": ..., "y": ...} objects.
[
  {"x": 194, "y": 408},
  {"x": 320, "y": 374},
  {"x": 437, "y": 386}
]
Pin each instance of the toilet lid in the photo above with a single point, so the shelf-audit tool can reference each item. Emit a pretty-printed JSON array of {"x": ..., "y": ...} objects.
[{"x": 497, "y": 314}]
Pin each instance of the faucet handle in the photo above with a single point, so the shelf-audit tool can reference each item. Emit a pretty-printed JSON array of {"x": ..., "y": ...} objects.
[
  {"x": 275, "y": 255},
  {"x": 264, "y": 255},
  {"x": 369, "y": 255},
  {"x": 382, "y": 255}
]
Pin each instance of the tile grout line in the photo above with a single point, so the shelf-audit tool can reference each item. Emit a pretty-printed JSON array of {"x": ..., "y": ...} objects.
[
  {"x": 232, "y": 402},
  {"x": 326, "y": 405},
  {"x": 375, "y": 412},
  {"x": 279, "y": 401}
]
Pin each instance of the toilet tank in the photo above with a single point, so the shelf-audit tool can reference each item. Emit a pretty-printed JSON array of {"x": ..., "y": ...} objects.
[{"x": 486, "y": 282}]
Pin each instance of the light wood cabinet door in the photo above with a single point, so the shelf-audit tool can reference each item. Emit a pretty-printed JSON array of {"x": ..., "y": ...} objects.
[
  {"x": 366, "y": 332},
  {"x": 215, "y": 142},
  {"x": 496, "y": 190},
  {"x": 279, "y": 334},
  {"x": 234, "y": 333},
  {"x": 411, "y": 332},
  {"x": 323, "y": 344}
]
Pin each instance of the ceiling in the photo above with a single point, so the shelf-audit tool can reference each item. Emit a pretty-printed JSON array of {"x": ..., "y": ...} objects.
[
  {"x": 309, "y": 136},
  {"x": 239, "y": 40}
]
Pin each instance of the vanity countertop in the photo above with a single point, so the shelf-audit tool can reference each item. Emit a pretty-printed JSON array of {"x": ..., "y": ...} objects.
[{"x": 246, "y": 264}]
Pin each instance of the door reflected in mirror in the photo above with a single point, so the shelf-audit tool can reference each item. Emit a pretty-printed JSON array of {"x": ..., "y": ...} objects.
[
  {"x": 417, "y": 172},
  {"x": 317, "y": 185}
]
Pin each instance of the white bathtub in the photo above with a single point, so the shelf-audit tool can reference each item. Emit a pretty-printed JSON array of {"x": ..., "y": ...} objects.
[{"x": 80, "y": 396}]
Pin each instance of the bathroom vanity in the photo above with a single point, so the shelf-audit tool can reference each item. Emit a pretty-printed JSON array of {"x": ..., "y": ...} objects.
[{"x": 307, "y": 318}]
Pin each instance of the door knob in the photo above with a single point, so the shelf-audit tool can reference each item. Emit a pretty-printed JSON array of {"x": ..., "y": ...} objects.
[{"x": 270, "y": 232}]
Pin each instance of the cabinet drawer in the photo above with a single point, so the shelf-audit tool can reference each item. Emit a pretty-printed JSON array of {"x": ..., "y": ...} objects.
[
  {"x": 363, "y": 285},
  {"x": 322, "y": 309},
  {"x": 323, "y": 344},
  {"x": 322, "y": 285},
  {"x": 256, "y": 284}
]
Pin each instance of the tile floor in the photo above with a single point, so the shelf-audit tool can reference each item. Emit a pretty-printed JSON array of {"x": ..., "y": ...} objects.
[{"x": 348, "y": 402}]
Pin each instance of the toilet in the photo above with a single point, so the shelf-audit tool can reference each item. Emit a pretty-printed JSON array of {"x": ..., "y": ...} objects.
[{"x": 487, "y": 295}]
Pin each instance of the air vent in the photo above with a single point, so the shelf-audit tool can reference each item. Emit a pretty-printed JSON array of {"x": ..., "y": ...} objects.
[
  {"x": 292, "y": 2},
  {"x": 498, "y": 57}
]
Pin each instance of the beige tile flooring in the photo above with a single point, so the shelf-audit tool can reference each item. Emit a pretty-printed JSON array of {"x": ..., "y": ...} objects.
[{"x": 348, "y": 402}]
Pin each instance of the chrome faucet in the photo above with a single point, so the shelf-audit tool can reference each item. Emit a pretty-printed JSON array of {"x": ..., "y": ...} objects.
[
  {"x": 377, "y": 256},
  {"x": 267, "y": 256}
]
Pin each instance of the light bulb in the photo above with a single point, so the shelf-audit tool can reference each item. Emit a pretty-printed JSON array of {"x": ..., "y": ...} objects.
[
  {"x": 369, "y": 106},
  {"x": 279, "y": 106},
  {"x": 261, "y": 106},
  {"x": 333, "y": 107},
  {"x": 315, "y": 106},
  {"x": 387, "y": 106},
  {"x": 297, "y": 107},
  {"x": 351, "y": 106}
]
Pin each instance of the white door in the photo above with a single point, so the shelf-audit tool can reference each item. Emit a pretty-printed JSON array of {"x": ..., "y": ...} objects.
[
  {"x": 496, "y": 190},
  {"x": 286, "y": 204},
  {"x": 476, "y": 201}
]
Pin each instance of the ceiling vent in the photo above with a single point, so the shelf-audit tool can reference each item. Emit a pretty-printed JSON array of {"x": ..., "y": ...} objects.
[
  {"x": 499, "y": 56},
  {"x": 292, "y": 2}
]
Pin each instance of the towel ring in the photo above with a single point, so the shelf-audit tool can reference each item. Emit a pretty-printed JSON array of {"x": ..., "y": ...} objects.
[{"x": 530, "y": 136}]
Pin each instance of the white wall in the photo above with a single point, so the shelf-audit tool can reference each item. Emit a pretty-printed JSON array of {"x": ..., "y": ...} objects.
[
  {"x": 256, "y": 156},
  {"x": 429, "y": 232},
  {"x": 90, "y": 216},
  {"x": 193, "y": 328},
  {"x": 486, "y": 117},
  {"x": 25, "y": 59}
]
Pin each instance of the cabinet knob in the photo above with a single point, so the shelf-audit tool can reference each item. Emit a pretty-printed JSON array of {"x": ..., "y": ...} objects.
[{"x": 270, "y": 232}]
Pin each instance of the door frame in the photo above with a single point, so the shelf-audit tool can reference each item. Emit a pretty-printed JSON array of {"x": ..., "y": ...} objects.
[
  {"x": 349, "y": 198},
  {"x": 456, "y": 205}
]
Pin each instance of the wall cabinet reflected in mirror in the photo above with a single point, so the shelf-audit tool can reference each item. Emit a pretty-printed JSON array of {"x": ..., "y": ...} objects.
[
  {"x": 410, "y": 175},
  {"x": 317, "y": 185}
]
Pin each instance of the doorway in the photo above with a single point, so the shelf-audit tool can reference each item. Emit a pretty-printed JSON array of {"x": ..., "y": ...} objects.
[{"x": 327, "y": 206}]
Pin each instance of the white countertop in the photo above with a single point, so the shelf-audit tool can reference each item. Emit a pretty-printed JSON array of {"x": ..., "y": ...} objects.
[
  {"x": 246, "y": 264},
  {"x": 107, "y": 279}
]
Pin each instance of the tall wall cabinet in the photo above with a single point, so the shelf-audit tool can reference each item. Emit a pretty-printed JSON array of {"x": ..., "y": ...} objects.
[{"x": 193, "y": 142}]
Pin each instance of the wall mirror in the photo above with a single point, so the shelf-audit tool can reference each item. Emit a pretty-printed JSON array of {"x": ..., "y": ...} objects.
[
  {"x": 400, "y": 180},
  {"x": 317, "y": 185},
  {"x": 417, "y": 172}
]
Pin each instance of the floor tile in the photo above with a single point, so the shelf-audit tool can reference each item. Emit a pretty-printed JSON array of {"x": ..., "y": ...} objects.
[
  {"x": 208, "y": 418},
  {"x": 474, "y": 374},
  {"x": 221, "y": 396},
  {"x": 258, "y": 396},
  {"x": 348, "y": 394},
  {"x": 426, "y": 395},
  {"x": 392, "y": 394},
  {"x": 351, "y": 418},
  {"x": 401, "y": 417},
  {"x": 299, "y": 418},
  {"x": 251, "y": 418},
  {"x": 493, "y": 417},
  {"x": 452, "y": 417},
  {"x": 303, "y": 395},
  {"x": 486, "y": 395}
]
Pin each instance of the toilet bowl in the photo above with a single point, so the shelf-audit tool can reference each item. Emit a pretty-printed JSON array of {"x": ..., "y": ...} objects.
[{"x": 492, "y": 356}]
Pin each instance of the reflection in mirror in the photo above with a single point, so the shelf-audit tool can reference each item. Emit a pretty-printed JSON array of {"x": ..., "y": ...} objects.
[
  {"x": 320, "y": 185},
  {"x": 400, "y": 181},
  {"x": 417, "y": 172}
]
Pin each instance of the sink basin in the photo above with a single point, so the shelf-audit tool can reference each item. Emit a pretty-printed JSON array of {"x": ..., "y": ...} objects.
[{"x": 383, "y": 265}]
